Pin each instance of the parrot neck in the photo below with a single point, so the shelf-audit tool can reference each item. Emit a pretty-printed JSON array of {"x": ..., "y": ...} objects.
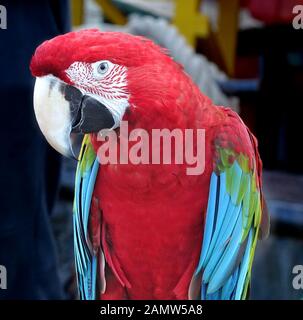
[{"x": 171, "y": 114}]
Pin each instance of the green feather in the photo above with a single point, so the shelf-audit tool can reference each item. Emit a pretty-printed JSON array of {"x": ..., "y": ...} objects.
[
  {"x": 243, "y": 187},
  {"x": 229, "y": 178},
  {"x": 244, "y": 162},
  {"x": 86, "y": 158},
  {"x": 87, "y": 155},
  {"x": 258, "y": 212}
]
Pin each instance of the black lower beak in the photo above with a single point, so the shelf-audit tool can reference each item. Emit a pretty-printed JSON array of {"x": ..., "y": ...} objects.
[
  {"x": 87, "y": 113},
  {"x": 92, "y": 116}
]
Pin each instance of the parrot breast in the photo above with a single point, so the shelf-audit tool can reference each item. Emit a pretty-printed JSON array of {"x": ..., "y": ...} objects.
[
  {"x": 153, "y": 218},
  {"x": 153, "y": 228}
]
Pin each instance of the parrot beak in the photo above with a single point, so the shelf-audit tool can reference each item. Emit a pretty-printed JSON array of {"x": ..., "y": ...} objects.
[{"x": 62, "y": 109}]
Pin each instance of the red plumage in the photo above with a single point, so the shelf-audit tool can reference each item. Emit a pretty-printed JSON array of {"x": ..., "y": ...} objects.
[{"x": 152, "y": 215}]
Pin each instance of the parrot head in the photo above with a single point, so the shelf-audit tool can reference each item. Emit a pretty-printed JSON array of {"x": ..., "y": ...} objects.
[{"x": 89, "y": 80}]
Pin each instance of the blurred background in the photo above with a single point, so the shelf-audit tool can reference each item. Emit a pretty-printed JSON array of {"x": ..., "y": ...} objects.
[{"x": 246, "y": 54}]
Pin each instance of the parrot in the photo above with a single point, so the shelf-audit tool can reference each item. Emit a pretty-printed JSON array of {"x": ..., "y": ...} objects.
[{"x": 149, "y": 230}]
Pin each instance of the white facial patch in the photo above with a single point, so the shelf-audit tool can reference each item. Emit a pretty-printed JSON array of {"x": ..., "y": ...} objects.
[
  {"x": 104, "y": 81},
  {"x": 53, "y": 113}
]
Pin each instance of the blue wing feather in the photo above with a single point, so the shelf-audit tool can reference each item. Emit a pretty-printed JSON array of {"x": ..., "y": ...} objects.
[
  {"x": 209, "y": 219},
  {"x": 230, "y": 219},
  {"x": 230, "y": 285},
  {"x": 224, "y": 202},
  {"x": 225, "y": 258},
  {"x": 226, "y": 264},
  {"x": 244, "y": 266},
  {"x": 86, "y": 260},
  {"x": 89, "y": 192}
]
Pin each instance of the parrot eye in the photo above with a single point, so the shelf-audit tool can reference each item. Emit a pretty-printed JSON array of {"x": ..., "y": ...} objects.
[{"x": 102, "y": 68}]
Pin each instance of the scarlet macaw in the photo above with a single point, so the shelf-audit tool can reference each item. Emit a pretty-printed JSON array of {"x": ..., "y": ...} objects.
[{"x": 149, "y": 231}]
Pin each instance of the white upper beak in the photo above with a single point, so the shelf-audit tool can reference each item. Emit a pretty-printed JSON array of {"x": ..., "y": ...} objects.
[{"x": 53, "y": 114}]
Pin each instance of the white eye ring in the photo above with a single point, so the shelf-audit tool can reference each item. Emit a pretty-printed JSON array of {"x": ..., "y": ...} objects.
[{"x": 103, "y": 67}]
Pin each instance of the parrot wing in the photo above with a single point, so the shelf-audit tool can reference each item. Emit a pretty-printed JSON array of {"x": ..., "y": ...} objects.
[
  {"x": 234, "y": 214},
  {"x": 89, "y": 258}
]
